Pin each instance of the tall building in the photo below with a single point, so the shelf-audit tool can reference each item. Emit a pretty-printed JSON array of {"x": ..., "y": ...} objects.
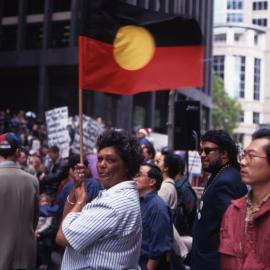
[
  {"x": 241, "y": 57},
  {"x": 39, "y": 62}
]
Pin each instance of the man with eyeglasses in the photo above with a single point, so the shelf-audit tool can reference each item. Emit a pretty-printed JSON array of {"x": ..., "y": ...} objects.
[
  {"x": 157, "y": 234},
  {"x": 219, "y": 158},
  {"x": 245, "y": 233}
]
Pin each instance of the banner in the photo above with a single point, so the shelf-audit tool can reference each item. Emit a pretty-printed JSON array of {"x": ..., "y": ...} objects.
[
  {"x": 91, "y": 130},
  {"x": 57, "y": 121},
  {"x": 125, "y": 49}
]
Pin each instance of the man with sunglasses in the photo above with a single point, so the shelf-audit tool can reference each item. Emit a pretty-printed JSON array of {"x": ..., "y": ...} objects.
[
  {"x": 219, "y": 158},
  {"x": 245, "y": 234}
]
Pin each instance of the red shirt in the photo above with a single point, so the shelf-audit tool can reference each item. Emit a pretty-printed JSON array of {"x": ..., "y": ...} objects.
[{"x": 245, "y": 248}]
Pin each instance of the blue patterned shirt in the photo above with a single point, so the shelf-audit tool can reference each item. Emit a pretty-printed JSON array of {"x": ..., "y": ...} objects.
[
  {"x": 106, "y": 234},
  {"x": 157, "y": 227}
]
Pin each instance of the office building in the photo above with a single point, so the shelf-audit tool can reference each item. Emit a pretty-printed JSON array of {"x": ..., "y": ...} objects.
[
  {"x": 39, "y": 63},
  {"x": 242, "y": 59}
]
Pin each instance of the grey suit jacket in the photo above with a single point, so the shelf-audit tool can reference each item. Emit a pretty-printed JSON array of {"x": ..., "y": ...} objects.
[{"x": 19, "y": 193}]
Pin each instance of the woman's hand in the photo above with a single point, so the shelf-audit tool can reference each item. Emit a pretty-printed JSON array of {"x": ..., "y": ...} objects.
[
  {"x": 80, "y": 194},
  {"x": 80, "y": 173}
]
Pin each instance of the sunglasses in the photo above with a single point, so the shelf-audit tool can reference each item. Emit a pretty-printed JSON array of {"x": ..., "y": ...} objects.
[{"x": 207, "y": 150}]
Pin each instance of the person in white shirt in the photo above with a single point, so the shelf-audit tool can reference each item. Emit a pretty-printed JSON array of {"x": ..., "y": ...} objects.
[{"x": 106, "y": 233}]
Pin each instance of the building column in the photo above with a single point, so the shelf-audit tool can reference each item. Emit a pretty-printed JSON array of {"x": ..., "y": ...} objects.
[
  {"x": 21, "y": 27},
  {"x": 42, "y": 92},
  {"x": 150, "y": 110},
  {"x": 73, "y": 23},
  {"x": 43, "y": 73},
  {"x": 125, "y": 113},
  {"x": 98, "y": 103}
]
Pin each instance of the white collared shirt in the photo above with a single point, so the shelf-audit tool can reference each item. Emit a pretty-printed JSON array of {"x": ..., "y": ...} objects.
[{"x": 106, "y": 234}]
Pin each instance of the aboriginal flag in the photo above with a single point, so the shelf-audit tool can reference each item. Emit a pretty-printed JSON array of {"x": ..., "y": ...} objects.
[{"x": 124, "y": 49}]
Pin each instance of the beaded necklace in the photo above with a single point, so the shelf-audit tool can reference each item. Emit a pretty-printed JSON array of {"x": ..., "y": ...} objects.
[
  {"x": 216, "y": 176},
  {"x": 252, "y": 209},
  {"x": 199, "y": 215}
]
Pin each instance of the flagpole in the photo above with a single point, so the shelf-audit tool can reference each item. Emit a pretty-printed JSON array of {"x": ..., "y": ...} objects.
[
  {"x": 172, "y": 95},
  {"x": 81, "y": 123}
]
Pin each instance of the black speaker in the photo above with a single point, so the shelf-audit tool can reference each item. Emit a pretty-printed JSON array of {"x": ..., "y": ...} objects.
[{"x": 187, "y": 125}]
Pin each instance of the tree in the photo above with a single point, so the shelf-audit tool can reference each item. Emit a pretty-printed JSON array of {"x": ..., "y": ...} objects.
[{"x": 226, "y": 111}]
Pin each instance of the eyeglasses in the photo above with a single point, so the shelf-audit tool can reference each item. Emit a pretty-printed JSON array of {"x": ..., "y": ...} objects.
[
  {"x": 140, "y": 175},
  {"x": 248, "y": 156},
  {"x": 207, "y": 150}
]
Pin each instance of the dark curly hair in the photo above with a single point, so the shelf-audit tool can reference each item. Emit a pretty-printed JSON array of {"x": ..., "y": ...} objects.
[
  {"x": 125, "y": 145},
  {"x": 224, "y": 142}
]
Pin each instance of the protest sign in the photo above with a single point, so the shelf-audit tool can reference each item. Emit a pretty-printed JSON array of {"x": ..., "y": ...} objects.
[
  {"x": 91, "y": 130},
  {"x": 57, "y": 121}
]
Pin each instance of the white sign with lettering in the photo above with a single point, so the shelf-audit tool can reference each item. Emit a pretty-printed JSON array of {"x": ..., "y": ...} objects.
[{"x": 57, "y": 121}]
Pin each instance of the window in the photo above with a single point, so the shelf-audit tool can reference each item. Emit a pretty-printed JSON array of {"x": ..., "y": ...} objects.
[
  {"x": 257, "y": 79},
  {"x": 235, "y": 4},
  {"x": 8, "y": 37},
  {"x": 235, "y": 17},
  {"x": 256, "y": 118},
  {"x": 256, "y": 39},
  {"x": 61, "y": 5},
  {"x": 260, "y": 5},
  {"x": 35, "y": 7},
  {"x": 239, "y": 78},
  {"x": 242, "y": 77},
  {"x": 241, "y": 117},
  {"x": 34, "y": 35},
  {"x": 10, "y": 8},
  {"x": 220, "y": 37},
  {"x": 218, "y": 66},
  {"x": 237, "y": 36},
  {"x": 239, "y": 139},
  {"x": 60, "y": 34},
  {"x": 260, "y": 22}
]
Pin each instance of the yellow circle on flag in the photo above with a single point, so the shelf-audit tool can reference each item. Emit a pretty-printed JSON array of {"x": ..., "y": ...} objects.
[{"x": 134, "y": 47}]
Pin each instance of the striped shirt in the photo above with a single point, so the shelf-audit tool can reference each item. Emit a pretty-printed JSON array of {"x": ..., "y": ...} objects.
[{"x": 106, "y": 234}]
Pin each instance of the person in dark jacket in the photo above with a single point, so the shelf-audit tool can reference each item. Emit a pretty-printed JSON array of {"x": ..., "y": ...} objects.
[
  {"x": 219, "y": 158},
  {"x": 54, "y": 173}
]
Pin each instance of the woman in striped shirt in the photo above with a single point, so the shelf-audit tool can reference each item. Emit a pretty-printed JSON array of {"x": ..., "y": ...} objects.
[{"x": 105, "y": 233}]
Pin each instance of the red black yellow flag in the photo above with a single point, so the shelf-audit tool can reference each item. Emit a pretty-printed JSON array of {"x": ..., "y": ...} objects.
[{"x": 124, "y": 49}]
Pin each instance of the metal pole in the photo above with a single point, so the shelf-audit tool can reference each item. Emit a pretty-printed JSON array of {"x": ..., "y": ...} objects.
[
  {"x": 81, "y": 123},
  {"x": 170, "y": 123}
]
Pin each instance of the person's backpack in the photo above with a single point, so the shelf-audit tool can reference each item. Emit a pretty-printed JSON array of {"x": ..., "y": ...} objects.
[{"x": 186, "y": 207}]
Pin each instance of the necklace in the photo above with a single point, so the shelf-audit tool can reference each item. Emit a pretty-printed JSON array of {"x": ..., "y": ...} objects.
[
  {"x": 216, "y": 176},
  {"x": 199, "y": 214},
  {"x": 252, "y": 209}
]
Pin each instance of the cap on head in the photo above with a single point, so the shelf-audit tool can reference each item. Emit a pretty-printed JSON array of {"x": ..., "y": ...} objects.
[
  {"x": 9, "y": 143},
  {"x": 145, "y": 131}
]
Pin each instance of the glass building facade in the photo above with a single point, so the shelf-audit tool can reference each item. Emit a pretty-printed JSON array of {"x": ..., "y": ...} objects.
[{"x": 39, "y": 63}]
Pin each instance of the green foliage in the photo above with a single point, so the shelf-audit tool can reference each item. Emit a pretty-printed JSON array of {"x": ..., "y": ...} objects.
[{"x": 226, "y": 111}]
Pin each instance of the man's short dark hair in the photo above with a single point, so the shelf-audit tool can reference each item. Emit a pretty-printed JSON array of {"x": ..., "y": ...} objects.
[
  {"x": 173, "y": 163},
  {"x": 224, "y": 142},
  {"x": 261, "y": 134},
  {"x": 154, "y": 173},
  {"x": 54, "y": 149},
  {"x": 25, "y": 151},
  {"x": 125, "y": 145}
]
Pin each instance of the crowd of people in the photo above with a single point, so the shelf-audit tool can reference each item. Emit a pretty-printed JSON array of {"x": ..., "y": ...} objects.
[{"x": 128, "y": 206}]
